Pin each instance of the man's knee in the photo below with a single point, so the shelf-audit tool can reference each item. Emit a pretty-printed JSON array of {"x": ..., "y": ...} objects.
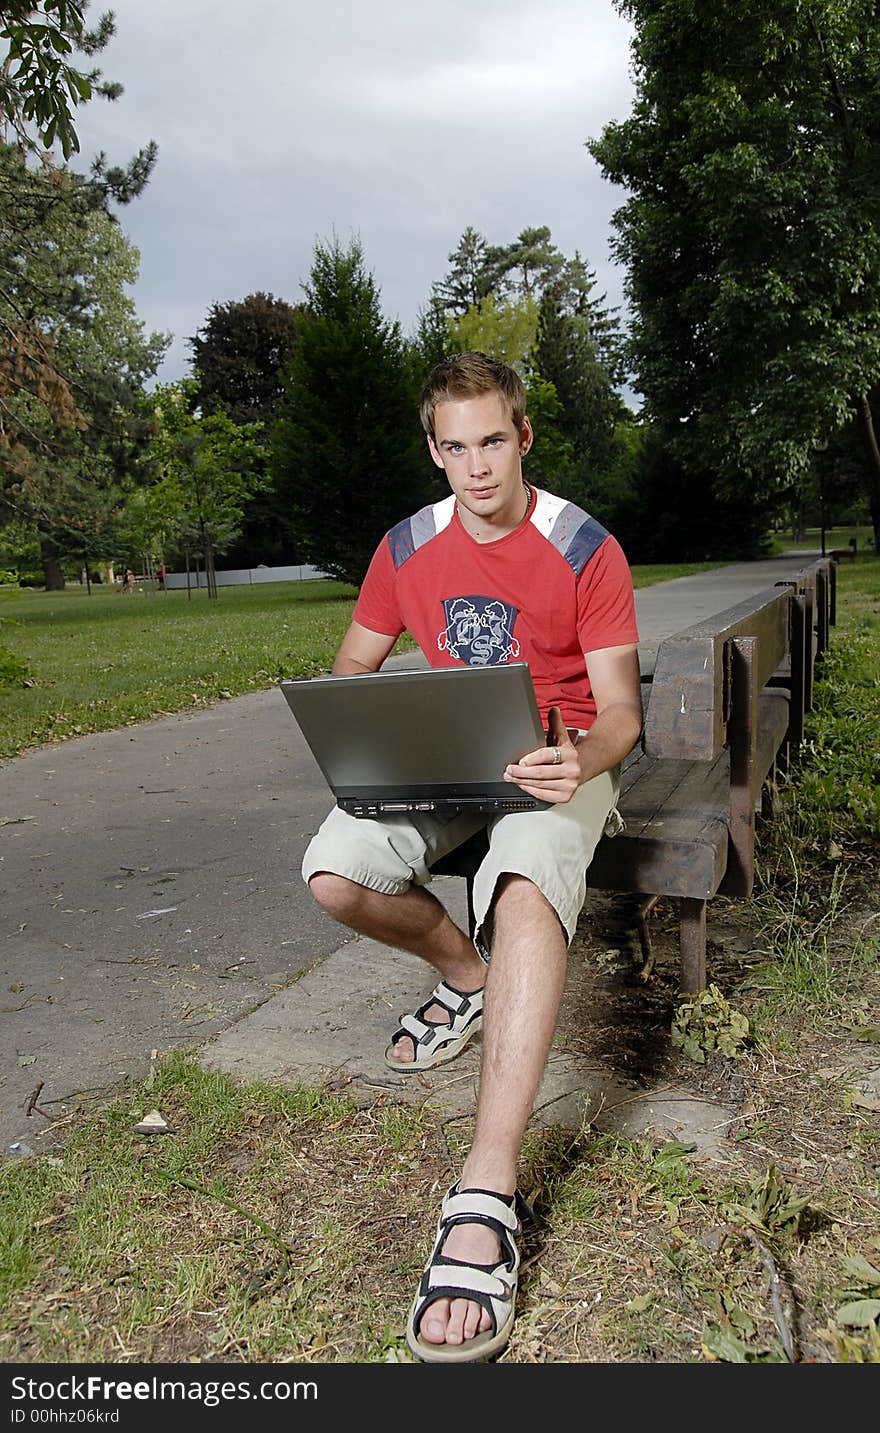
[
  {"x": 515, "y": 900},
  {"x": 336, "y": 895},
  {"x": 518, "y": 905}
]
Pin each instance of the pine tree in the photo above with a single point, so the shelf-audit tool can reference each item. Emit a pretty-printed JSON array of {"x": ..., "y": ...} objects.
[{"x": 348, "y": 451}]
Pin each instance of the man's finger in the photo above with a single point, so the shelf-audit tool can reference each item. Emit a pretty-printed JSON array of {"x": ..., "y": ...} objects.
[{"x": 557, "y": 731}]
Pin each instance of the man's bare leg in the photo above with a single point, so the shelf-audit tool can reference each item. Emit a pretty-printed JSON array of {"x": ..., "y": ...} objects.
[
  {"x": 414, "y": 921},
  {"x": 523, "y": 990}
]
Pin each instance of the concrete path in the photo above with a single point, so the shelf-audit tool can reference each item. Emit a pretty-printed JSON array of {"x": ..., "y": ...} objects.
[{"x": 150, "y": 899}]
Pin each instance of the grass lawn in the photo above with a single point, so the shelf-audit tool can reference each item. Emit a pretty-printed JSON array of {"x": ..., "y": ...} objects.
[
  {"x": 106, "y": 660},
  {"x": 811, "y": 539}
]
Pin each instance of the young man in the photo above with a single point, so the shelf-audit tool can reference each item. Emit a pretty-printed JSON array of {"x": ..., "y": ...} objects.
[{"x": 498, "y": 571}]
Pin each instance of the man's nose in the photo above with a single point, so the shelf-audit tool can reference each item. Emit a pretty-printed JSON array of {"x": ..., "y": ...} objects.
[{"x": 477, "y": 460}]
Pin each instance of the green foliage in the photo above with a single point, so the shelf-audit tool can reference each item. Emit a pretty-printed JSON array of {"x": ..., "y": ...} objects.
[
  {"x": 707, "y": 1024},
  {"x": 41, "y": 86},
  {"x": 861, "y": 1295},
  {"x": 504, "y": 328},
  {"x": 210, "y": 469},
  {"x": 72, "y": 375},
  {"x": 348, "y": 451},
  {"x": 833, "y": 801},
  {"x": 551, "y": 460},
  {"x": 239, "y": 354},
  {"x": 571, "y": 330},
  {"x": 667, "y": 511},
  {"x": 752, "y": 228},
  {"x": 766, "y": 1203},
  {"x": 14, "y": 671},
  {"x": 238, "y": 359}
]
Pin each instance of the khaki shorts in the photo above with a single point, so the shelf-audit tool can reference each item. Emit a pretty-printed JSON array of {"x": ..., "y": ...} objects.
[{"x": 552, "y": 847}]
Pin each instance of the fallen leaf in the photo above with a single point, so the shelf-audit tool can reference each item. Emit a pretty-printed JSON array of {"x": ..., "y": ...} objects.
[
  {"x": 153, "y": 1123},
  {"x": 865, "y": 1102}
]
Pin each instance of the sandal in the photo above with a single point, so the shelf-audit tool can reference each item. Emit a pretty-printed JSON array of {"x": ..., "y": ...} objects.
[
  {"x": 492, "y": 1285},
  {"x": 435, "y": 1043}
]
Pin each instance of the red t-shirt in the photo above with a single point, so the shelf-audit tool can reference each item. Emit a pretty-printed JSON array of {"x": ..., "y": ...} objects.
[{"x": 556, "y": 587}]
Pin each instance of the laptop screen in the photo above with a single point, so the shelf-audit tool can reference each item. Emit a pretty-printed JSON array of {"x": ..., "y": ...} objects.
[{"x": 420, "y": 739}]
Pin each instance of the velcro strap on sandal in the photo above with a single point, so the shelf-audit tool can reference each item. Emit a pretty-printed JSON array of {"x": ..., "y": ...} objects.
[
  {"x": 453, "y": 1000},
  {"x": 418, "y": 1029},
  {"x": 465, "y": 1279},
  {"x": 471, "y": 1202}
]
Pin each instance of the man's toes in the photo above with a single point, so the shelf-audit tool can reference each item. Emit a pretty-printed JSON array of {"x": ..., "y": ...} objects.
[
  {"x": 455, "y": 1329},
  {"x": 404, "y": 1050},
  {"x": 434, "y": 1321},
  {"x": 475, "y": 1321}
]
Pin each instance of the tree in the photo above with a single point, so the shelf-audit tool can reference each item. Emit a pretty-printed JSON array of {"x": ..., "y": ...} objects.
[
  {"x": 430, "y": 342},
  {"x": 239, "y": 354},
  {"x": 210, "y": 468},
  {"x": 665, "y": 512},
  {"x": 49, "y": 289},
  {"x": 238, "y": 358},
  {"x": 40, "y": 86},
  {"x": 505, "y": 328},
  {"x": 76, "y": 360},
  {"x": 573, "y": 332},
  {"x": 529, "y": 265},
  {"x": 752, "y": 230},
  {"x": 348, "y": 450},
  {"x": 471, "y": 277}
]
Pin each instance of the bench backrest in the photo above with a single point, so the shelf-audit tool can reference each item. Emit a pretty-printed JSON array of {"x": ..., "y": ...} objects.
[
  {"x": 691, "y": 694},
  {"x": 693, "y": 688}
]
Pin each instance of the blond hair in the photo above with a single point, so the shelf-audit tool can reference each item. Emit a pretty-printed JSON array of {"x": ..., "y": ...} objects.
[{"x": 469, "y": 375}]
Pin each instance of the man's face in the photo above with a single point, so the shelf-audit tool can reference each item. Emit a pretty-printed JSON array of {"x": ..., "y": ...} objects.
[{"x": 480, "y": 450}]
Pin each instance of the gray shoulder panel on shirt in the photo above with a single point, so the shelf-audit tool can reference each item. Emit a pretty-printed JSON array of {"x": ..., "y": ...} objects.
[
  {"x": 577, "y": 536},
  {"x": 408, "y": 536}
]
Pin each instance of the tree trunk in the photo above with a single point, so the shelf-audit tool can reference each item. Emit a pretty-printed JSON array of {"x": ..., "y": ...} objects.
[
  {"x": 869, "y": 433},
  {"x": 51, "y": 565}
]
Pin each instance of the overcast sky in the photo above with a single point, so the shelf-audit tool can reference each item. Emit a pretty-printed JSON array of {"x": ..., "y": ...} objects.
[{"x": 280, "y": 122}]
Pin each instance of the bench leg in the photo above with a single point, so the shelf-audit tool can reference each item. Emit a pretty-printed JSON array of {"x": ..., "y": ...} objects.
[{"x": 692, "y": 944}]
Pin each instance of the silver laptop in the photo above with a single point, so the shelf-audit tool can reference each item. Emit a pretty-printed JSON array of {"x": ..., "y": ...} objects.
[{"x": 421, "y": 740}]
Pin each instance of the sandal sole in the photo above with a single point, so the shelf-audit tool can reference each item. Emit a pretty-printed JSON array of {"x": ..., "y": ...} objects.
[{"x": 476, "y": 1350}]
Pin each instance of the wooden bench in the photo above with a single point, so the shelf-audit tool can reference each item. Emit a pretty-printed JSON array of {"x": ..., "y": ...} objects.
[{"x": 725, "y": 710}]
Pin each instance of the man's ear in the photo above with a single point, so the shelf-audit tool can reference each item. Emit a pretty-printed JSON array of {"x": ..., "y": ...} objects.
[
  {"x": 432, "y": 449},
  {"x": 526, "y": 437}
]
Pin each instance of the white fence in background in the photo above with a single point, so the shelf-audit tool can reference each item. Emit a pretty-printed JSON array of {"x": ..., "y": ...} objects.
[{"x": 245, "y": 576}]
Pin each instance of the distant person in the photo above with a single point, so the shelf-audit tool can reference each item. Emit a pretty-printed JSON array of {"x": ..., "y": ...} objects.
[
  {"x": 162, "y": 571},
  {"x": 498, "y": 571},
  {"x": 127, "y": 580}
]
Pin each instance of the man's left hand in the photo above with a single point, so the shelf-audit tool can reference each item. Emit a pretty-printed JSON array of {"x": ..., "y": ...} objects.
[{"x": 541, "y": 773}]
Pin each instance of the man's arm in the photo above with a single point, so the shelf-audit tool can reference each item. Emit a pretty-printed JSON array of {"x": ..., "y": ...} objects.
[
  {"x": 616, "y": 683},
  {"x": 617, "y": 687},
  {"x": 361, "y": 650}
]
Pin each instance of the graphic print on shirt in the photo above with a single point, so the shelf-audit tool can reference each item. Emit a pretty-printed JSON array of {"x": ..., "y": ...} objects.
[{"x": 479, "y": 631}]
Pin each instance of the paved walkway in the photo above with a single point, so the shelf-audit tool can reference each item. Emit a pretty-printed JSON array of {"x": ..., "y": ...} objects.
[{"x": 150, "y": 899}]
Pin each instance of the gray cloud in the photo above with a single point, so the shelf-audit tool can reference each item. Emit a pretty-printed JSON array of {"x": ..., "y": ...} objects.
[{"x": 398, "y": 121}]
